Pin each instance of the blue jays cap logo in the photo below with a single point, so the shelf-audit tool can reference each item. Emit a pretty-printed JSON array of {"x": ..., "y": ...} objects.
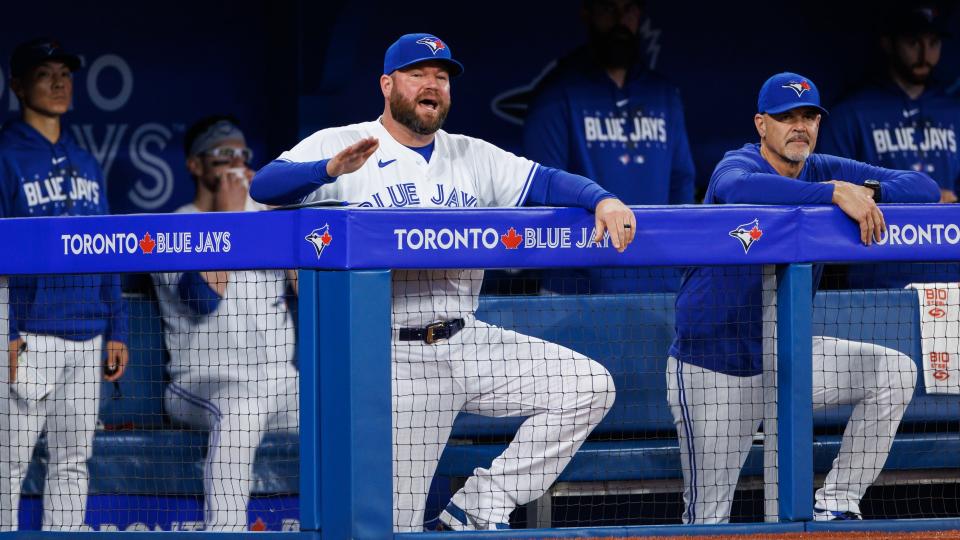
[
  {"x": 798, "y": 87},
  {"x": 433, "y": 43},
  {"x": 319, "y": 238},
  {"x": 747, "y": 234}
]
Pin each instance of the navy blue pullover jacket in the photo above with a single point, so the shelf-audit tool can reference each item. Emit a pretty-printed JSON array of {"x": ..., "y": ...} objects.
[{"x": 43, "y": 179}]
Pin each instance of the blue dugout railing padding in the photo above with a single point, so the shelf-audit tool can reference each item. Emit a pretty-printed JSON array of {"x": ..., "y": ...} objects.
[
  {"x": 345, "y": 256},
  {"x": 351, "y": 239}
]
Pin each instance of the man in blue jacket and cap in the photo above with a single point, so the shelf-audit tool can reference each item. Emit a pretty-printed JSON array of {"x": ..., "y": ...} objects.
[
  {"x": 714, "y": 371},
  {"x": 59, "y": 325}
]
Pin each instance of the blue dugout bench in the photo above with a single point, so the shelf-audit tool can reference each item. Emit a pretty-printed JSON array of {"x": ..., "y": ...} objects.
[{"x": 634, "y": 447}]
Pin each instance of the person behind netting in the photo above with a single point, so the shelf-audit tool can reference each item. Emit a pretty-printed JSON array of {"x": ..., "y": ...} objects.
[
  {"x": 604, "y": 114},
  {"x": 902, "y": 118},
  {"x": 444, "y": 360},
  {"x": 230, "y": 335},
  {"x": 60, "y": 326},
  {"x": 714, "y": 368}
]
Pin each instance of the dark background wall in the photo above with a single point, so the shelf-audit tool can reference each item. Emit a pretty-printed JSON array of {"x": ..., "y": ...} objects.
[{"x": 290, "y": 67}]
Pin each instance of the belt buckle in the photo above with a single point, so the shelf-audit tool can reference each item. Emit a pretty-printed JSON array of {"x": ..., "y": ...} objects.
[{"x": 431, "y": 328}]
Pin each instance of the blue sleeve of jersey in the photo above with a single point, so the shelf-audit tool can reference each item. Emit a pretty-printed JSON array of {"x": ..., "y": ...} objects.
[
  {"x": 7, "y": 201},
  {"x": 7, "y": 190},
  {"x": 547, "y": 129},
  {"x": 119, "y": 316},
  {"x": 896, "y": 186},
  {"x": 285, "y": 182},
  {"x": 840, "y": 135},
  {"x": 110, "y": 291},
  {"x": 682, "y": 172},
  {"x": 196, "y": 293},
  {"x": 555, "y": 187},
  {"x": 735, "y": 182}
]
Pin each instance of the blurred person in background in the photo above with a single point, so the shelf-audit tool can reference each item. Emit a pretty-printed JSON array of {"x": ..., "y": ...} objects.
[
  {"x": 604, "y": 114},
  {"x": 59, "y": 325},
  {"x": 902, "y": 118},
  {"x": 230, "y": 336}
]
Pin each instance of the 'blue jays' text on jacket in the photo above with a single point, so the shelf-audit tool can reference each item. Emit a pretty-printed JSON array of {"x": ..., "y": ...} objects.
[
  {"x": 43, "y": 179},
  {"x": 719, "y": 321},
  {"x": 881, "y": 125},
  {"x": 630, "y": 140}
]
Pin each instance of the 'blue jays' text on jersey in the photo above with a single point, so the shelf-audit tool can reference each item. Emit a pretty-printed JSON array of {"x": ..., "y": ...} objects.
[
  {"x": 882, "y": 126},
  {"x": 879, "y": 124},
  {"x": 719, "y": 309},
  {"x": 630, "y": 140},
  {"x": 43, "y": 179}
]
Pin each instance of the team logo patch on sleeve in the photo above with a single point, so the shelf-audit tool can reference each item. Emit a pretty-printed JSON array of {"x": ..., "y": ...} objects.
[
  {"x": 747, "y": 234},
  {"x": 320, "y": 238},
  {"x": 434, "y": 44},
  {"x": 798, "y": 87}
]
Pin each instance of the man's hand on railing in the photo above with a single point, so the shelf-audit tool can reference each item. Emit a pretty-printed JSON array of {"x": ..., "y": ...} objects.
[
  {"x": 857, "y": 202},
  {"x": 614, "y": 216},
  {"x": 352, "y": 157}
]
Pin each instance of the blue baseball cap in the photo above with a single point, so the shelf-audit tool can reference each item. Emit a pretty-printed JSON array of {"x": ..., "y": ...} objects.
[
  {"x": 786, "y": 91},
  {"x": 415, "y": 48},
  {"x": 32, "y": 53}
]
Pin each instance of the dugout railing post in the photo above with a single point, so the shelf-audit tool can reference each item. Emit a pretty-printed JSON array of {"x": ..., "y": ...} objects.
[
  {"x": 794, "y": 392},
  {"x": 345, "y": 453}
]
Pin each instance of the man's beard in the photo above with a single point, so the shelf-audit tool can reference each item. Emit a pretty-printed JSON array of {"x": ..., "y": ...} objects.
[
  {"x": 797, "y": 156},
  {"x": 405, "y": 113},
  {"x": 616, "y": 48},
  {"x": 908, "y": 74}
]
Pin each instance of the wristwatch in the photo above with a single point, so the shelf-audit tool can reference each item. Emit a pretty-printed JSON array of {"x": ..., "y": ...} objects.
[{"x": 875, "y": 186}]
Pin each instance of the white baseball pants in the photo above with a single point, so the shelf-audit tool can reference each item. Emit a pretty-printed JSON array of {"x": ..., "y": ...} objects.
[
  {"x": 67, "y": 411},
  {"x": 494, "y": 372},
  {"x": 717, "y": 416},
  {"x": 237, "y": 415}
]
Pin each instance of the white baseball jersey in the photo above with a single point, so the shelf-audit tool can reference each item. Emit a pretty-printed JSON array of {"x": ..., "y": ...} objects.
[
  {"x": 462, "y": 172},
  {"x": 250, "y": 329}
]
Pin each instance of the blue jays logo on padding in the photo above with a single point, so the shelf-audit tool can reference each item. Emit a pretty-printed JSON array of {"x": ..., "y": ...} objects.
[
  {"x": 798, "y": 87},
  {"x": 320, "y": 238},
  {"x": 433, "y": 43},
  {"x": 747, "y": 234}
]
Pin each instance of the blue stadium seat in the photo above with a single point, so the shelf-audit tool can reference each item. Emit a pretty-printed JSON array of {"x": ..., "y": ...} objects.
[{"x": 170, "y": 462}]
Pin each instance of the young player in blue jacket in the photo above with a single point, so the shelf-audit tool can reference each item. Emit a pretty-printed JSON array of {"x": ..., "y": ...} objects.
[
  {"x": 714, "y": 370},
  {"x": 603, "y": 114},
  {"x": 903, "y": 119},
  {"x": 58, "y": 325}
]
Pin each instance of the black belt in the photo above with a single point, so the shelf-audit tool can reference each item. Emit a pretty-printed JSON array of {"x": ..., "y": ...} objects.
[{"x": 433, "y": 332}]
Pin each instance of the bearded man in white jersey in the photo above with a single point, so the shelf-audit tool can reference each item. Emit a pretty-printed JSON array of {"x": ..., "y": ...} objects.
[
  {"x": 444, "y": 360},
  {"x": 230, "y": 336}
]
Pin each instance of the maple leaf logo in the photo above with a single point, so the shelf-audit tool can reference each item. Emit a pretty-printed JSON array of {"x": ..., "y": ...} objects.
[
  {"x": 147, "y": 244},
  {"x": 747, "y": 234},
  {"x": 320, "y": 238},
  {"x": 511, "y": 240},
  {"x": 258, "y": 525}
]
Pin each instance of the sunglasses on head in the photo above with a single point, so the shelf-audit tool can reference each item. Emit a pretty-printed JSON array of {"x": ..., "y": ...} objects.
[{"x": 225, "y": 154}]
